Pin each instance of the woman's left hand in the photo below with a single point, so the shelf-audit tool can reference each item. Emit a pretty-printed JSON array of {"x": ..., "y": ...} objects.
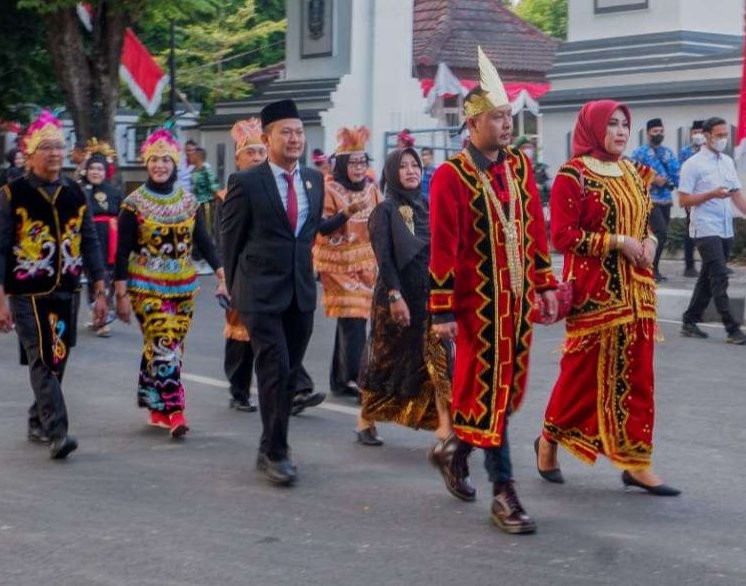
[{"x": 221, "y": 289}]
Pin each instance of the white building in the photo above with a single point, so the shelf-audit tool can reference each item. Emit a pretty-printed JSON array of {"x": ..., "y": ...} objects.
[{"x": 679, "y": 60}]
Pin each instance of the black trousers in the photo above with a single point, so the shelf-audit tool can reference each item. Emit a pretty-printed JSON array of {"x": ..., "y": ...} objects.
[
  {"x": 44, "y": 328},
  {"x": 349, "y": 342},
  {"x": 688, "y": 243},
  {"x": 712, "y": 282},
  {"x": 660, "y": 217},
  {"x": 279, "y": 341},
  {"x": 239, "y": 367}
]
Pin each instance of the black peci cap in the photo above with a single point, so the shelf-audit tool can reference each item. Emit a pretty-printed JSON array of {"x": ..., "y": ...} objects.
[
  {"x": 278, "y": 111},
  {"x": 654, "y": 123}
]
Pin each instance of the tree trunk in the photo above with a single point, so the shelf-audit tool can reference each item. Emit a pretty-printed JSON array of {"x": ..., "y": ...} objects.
[
  {"x": 88, "y": 70},
  {"x": 70, "y": 63}
]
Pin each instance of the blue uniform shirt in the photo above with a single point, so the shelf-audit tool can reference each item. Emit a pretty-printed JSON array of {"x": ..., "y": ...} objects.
[{"x": 664, "y": 162}]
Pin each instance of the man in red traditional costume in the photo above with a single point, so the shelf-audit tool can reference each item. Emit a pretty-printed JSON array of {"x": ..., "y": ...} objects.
[{"x": 489, "y": 265}]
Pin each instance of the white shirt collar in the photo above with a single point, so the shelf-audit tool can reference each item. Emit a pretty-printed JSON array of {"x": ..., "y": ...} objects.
[{"x": 279, "y": 171}]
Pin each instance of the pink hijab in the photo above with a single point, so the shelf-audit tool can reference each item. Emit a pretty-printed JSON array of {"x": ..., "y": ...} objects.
[{"x": 589, "y": 134}]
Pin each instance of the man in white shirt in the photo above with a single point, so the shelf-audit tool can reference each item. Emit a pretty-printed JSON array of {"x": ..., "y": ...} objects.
[{"x": 708, "y": 184}]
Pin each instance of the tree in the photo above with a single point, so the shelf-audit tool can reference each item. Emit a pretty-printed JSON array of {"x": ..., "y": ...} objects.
[
  {"x": 548, "y": 15},
  {"x": 87, "y": 65},
  {"x": 215, "y": 57},
  {"x": 26, "y": 75}
]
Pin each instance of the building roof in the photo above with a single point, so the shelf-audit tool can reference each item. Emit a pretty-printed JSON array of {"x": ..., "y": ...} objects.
[{"x": 449, "y": 31}]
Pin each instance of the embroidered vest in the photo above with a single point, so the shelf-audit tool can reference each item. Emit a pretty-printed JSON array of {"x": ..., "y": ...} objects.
[{"x": 46, "y": 252}]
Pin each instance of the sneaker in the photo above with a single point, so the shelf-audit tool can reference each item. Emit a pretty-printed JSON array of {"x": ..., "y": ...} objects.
[
  {"x": 178, "y": 424},
  {"x": 104, "y": 332},
  {"x": 159, "y": 419},
  {"x": 246, "y": 405},
  {"x": 659, "y": 278},
  {"x": 302, "y": 401},
  {"x": 689, "y": 330},
  {"x": 61, "y": 448},
  {"x": 691, "y": 272},
  {"x": 738, "y": 338}
]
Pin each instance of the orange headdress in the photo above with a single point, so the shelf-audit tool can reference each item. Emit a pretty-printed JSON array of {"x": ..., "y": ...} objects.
[
  {"x": 247, "y": 133},
  {"x": 352, "y": 140}
]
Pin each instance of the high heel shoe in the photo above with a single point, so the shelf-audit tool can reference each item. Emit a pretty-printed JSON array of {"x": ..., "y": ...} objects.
[
  {"x": 553, "y": 475},
  {"x": 659, "y": 490}
]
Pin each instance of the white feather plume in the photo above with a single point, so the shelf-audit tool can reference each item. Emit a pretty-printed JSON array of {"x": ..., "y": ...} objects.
[{"x": 490, "y": 81}]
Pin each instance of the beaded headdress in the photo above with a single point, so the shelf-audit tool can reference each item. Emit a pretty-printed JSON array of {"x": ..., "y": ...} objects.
[
  {"x": 492, "y": 94},
  {"x": 247, "y": 133},
  {"x": 352, "y": 141},
  {"x": 161, "y": 144},
  {"x": 103, "y": 148},
  {"x": 45, "y": 127}
]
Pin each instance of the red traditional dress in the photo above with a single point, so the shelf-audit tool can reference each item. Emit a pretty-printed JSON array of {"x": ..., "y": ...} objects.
[
  {"x": 603, "y": 399},
  {"x": 487, "y": 275}
]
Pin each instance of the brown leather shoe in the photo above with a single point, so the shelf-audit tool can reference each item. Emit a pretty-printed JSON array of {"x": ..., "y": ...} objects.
[
  {"x": 507, "y": 512},
  {"x": 450, "y": 456}
]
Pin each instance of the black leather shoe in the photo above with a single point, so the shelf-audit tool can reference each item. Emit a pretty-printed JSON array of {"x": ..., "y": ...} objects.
[
  {"x": 246, "y": 405},
  {"x": 61, "y": 448},
  {"x": 689, "y": 330},
  {"x": 507, "y": 512},
  {"x": 281, "y": 472},
  {"x": 553, "y": 475},
  {"x": 369, "y": 437},
  {"x": 738, "y": 338},
  {"x": 660, "y": 490},
  {"x": 691, "y": 273},
  {"x": 303, "y": 401},
  {"x": 450, "y": 457},
  {"x": 37, "y": 435}
]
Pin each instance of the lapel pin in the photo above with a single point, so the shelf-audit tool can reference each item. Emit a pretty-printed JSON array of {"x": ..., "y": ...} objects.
[{"x": 308, "y": 185}]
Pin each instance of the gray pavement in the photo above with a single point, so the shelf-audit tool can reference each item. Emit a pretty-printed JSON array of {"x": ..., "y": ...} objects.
[{"x": 132, "y": 507}]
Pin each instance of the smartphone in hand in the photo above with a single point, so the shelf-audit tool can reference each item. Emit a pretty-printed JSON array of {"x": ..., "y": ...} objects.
[{"x": 223, "y": 301}]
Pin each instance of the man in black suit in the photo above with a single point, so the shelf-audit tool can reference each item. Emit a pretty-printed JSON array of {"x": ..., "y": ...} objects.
[{"x": 270, "y": 218}]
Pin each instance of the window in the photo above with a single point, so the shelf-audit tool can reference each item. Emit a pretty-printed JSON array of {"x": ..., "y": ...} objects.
[{"x": 605, "y": 6}]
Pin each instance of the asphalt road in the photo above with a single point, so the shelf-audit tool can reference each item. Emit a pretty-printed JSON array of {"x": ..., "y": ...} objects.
[{"x": 131, "y": 507}]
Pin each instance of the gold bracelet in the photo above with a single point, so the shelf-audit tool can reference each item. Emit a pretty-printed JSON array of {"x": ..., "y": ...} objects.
[{"x": 619, "y": 242}]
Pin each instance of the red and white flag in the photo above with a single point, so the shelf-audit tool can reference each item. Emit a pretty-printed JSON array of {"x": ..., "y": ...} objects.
[
  {"x": 142, "y": 74},
  {"x": 739, "y": 150}
]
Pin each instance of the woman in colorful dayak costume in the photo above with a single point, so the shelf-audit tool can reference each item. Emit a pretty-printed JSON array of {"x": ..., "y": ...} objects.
[
  {"x": 603, "y": 400},
  {"x": 343, "y": 256},
  {"x": 104, "y": 199},
  {"x": 404, "y": 372},
  {"x": 159, "y": 224},
  {"x": 490, "y": 264}
]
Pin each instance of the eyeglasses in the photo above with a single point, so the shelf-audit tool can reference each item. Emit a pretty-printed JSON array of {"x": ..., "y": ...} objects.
[
  {"x": 357, "y": 164},
  {"x": 51, "y": 147}
]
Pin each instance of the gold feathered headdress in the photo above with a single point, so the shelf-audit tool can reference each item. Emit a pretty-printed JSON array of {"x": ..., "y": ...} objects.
[
  {"x": 96, "y": 147},
  {"x": 492, "y": 94},
  {"x": 352, "y": 140},
  {"x": 246, "y": 133}
]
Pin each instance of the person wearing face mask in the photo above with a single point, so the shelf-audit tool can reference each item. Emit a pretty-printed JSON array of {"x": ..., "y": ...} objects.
[
  {"x": 666, "y": 165},
  {"x": 696, "y": 140},
  {"x": 155, "y": 277},
  {"x": 343, "y": 256},
  {"x": 710, "y": 186}
]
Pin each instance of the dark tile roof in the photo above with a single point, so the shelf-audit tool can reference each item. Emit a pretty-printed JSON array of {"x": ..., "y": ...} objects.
[{"x": 450, "y": 30}]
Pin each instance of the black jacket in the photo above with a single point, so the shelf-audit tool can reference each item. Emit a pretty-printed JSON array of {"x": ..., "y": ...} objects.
[{"x": 265, "y": 263}]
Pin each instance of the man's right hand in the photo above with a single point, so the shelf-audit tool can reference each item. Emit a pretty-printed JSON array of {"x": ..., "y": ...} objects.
[
  {"x": 720, "y": 193},
  {"x": 446, "y": 331},
  {"x": 6, "y": 321}
]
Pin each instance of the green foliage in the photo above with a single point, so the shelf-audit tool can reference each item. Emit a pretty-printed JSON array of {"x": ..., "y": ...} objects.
[
  {"x": 26, "y": 75},
  {"x": 549, "y": 16},
  {"x": 676, "y": 235},
  {"x": 213, "y": 55}
]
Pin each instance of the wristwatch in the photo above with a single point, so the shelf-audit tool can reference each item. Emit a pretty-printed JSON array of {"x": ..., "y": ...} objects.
[{"x": 394, "y": 297}]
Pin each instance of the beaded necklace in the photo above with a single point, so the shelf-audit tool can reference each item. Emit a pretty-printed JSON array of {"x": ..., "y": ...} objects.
[{"x": 509, "y": 230}]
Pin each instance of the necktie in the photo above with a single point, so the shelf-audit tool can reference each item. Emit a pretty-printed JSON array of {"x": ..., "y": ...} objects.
[{"x": 292, "y": 202}]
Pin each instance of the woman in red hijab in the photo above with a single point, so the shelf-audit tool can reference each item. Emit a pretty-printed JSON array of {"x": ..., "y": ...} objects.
[{"x": 603, "y": 401}]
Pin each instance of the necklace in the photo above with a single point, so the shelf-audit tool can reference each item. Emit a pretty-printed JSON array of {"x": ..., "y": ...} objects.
[{"x": 510, "y": 232}]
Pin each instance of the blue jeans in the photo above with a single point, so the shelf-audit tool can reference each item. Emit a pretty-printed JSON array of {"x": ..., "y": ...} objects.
[{"x": 497, "y": 460}]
